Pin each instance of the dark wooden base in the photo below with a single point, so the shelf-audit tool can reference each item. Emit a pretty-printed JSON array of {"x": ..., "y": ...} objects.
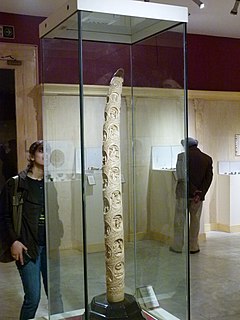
[{"x": 128, "y": 309}]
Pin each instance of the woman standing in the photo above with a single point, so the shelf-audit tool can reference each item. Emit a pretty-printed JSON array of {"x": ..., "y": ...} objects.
[{"x": 29, "y": 249}]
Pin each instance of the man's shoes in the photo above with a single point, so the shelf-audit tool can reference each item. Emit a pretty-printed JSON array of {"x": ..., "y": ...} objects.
[
  {"x": 173, "y": 250},
  {"x": 180, "y": 251},
  {"x": 193, "y": 252}
]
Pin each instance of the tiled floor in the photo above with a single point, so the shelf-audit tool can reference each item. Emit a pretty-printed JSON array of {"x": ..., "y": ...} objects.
[{"x": 215, "y": 279}]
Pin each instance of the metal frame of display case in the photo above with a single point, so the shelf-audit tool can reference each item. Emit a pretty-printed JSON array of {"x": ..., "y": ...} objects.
[
  {"x": 135, "y": 21},
  {"x": 159, "y": 12}
]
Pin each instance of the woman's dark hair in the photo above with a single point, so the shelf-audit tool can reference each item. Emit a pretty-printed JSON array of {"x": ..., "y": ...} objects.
[{"x": 35, "y": 146}]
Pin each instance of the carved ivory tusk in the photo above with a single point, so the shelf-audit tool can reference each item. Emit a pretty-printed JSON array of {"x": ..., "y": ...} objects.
[{"x": 112, "y": 192}]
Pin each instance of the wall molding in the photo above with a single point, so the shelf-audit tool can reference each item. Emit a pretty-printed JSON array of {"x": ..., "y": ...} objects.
[
  {"x": 97, "y": 90},
  {"x": 222, "y": 227}
]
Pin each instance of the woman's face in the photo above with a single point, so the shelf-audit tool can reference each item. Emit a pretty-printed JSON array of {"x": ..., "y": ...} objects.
[{"x": 38, "y": 157}]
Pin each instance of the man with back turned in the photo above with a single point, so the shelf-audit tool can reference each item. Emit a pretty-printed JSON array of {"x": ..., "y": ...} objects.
[{"x": 200, "y": 177}]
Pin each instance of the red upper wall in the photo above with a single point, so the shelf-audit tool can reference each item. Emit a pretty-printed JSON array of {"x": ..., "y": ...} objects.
[
  {"x": 26, "y": 27},
  {"x": 213, "y": 62}
]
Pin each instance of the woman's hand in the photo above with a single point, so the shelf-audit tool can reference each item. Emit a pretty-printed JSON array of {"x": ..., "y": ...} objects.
[{"x": 17, "y": 251}]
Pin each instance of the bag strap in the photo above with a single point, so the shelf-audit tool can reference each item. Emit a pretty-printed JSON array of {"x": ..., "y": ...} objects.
[{"x": 17, "y": 207}]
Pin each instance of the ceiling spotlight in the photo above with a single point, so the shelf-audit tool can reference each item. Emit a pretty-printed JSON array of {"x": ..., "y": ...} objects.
[
  {"x": 200, "y": 3},
  {"x": 235, "y": 7}
]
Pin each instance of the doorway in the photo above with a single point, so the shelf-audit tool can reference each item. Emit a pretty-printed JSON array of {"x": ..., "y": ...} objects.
[
  {"x": 8, "y": 137},
  {"x": 27, "y": 98}
]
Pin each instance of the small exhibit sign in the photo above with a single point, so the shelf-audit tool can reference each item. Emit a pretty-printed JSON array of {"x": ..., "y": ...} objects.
[
  {"x": 7, "y": 32},
  {"x": 147, "y": 297},
  {"x": 237, "y": 144}
]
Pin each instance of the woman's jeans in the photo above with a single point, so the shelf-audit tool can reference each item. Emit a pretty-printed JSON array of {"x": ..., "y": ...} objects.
[{"x": 31, "y": 280}]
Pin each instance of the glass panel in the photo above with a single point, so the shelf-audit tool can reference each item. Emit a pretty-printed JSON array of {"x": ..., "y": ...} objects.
[
  {"x": 152, "y": 119},
  {"x": 60, "y": 61},
  {"x": 159, "y": 127},
  {"x": 61, "y": 126}
]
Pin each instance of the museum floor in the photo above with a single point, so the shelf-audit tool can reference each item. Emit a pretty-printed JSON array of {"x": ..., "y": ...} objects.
[{"x": 215, "y": 277}]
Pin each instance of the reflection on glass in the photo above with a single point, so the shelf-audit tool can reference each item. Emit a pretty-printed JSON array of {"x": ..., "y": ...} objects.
[
  {"x": 158, "y": 130},
  {"x": 152, "y": 121}
]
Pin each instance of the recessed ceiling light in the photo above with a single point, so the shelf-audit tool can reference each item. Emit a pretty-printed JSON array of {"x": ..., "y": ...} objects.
[
  {"x": 234, "y": 10},
  {"x": 199, "y": 3}
]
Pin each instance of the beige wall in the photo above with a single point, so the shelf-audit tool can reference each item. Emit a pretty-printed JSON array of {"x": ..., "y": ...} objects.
[
  {"x": 158, "y": 120},
  {"x": 61, "y": 123},
  {"x": 216, "y": 123}
]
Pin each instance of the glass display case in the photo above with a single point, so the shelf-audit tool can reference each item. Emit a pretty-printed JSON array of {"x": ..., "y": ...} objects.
[{"x": 83, "y": 44}]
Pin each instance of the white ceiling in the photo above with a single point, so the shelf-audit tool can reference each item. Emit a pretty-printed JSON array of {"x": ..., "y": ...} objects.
[{"x": 215, "y": 19}]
